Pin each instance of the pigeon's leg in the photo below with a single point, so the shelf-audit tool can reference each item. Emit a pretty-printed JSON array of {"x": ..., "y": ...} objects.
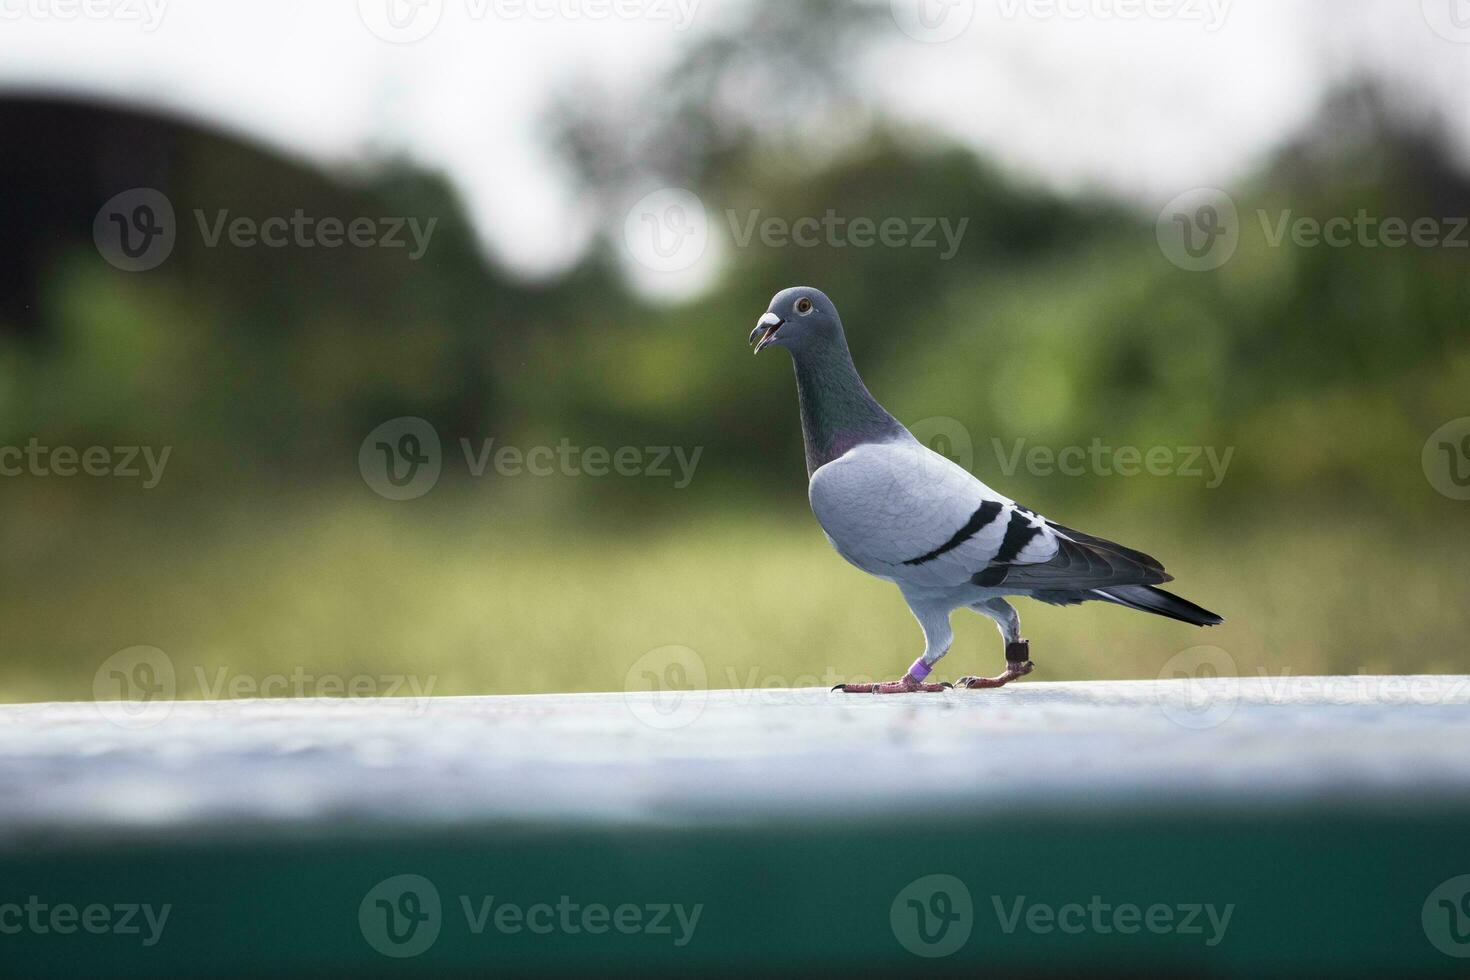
[
  {"x": 934, "y": 620},
  {"x": 1018, "y": 651}
]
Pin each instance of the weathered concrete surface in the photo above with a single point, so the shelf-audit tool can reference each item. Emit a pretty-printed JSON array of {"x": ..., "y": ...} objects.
[{"x": 741, "y": 757}]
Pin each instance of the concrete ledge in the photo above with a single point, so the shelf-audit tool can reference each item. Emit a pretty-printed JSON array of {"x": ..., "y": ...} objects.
[
  {"x": 731, "y": 757},
  {"x": 1326, "y": 811}
]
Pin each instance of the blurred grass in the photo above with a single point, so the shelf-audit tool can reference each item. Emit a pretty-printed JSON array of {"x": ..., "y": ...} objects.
[
  {"x": 1060, "y": 321},
  {"x": 455, "y": 591}
]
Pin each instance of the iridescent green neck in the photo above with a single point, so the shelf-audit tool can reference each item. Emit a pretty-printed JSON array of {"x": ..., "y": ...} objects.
[{"x": 837, "y": 411}]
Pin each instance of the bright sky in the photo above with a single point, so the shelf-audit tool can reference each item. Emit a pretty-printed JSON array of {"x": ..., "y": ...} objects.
[{"x": 1144, "y": 97}]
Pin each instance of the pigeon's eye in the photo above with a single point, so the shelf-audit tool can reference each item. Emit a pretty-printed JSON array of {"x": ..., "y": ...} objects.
[{"x": 804, "y": 306}]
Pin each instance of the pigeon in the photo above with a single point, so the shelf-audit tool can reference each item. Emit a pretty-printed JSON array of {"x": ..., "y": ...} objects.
[{"x": 901, "y": 511}]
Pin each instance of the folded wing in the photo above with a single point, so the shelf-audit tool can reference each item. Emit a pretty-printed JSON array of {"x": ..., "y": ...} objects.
[{"x": 903, "y": 512}]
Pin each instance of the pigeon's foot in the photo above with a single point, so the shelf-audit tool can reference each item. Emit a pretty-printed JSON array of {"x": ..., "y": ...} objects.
[
  {"x": 1014, "y": 672},
  {"x": 910, "y": 683},
  {"x": 1018, "y": 665},
  {"x": 907, "y": 685}
]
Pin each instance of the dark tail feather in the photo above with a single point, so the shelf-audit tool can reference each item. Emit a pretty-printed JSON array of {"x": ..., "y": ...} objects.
[{"x": 1149, "y": 599}]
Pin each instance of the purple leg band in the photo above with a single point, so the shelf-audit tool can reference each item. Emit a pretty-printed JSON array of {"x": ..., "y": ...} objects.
[{"x": 920, "y": 670}]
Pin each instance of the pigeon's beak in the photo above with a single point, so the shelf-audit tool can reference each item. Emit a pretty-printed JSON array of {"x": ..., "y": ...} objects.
[{"x": 764, "y": 334}]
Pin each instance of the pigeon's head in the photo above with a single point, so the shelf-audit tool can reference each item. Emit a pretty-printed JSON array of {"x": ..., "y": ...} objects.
[{"x": 799, "y": 318}]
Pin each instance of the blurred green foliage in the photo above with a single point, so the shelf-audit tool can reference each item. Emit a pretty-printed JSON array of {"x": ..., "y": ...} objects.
[{"x": 1059, "y": 322}]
